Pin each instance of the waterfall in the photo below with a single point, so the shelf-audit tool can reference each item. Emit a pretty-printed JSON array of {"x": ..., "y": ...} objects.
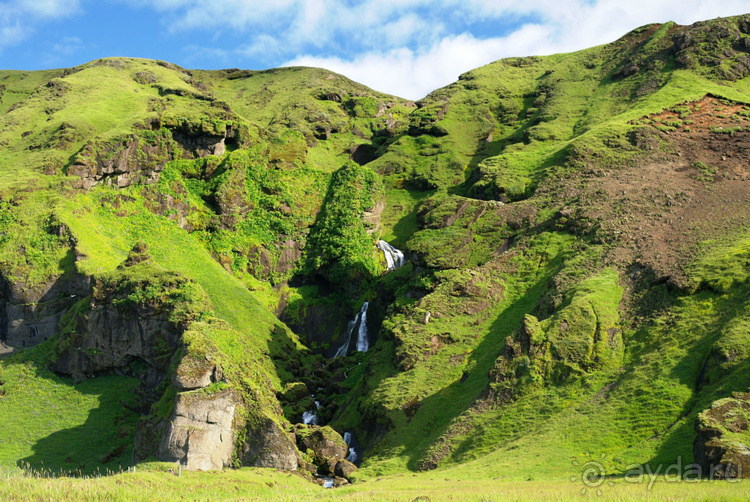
[
  {"x": 345, "y": 348},
  {"x": 393, "y": 257},
  {"x": 309, "y": 418},
  {"x": 351, "y": 443},
  {"x": 363, "y": 342}
]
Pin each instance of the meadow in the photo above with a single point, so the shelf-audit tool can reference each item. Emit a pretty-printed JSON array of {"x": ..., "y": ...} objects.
[{"x": 158, "y": 483}]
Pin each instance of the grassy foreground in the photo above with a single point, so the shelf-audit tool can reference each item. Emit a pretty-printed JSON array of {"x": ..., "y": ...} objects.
[{"x": 157, "y": 483}]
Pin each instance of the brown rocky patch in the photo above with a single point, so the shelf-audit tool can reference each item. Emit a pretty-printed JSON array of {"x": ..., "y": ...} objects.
[{"x": 689, "y": 185}]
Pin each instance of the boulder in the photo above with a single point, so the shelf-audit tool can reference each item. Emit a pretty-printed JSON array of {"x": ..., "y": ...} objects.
[
  {"x": 296, "y": 391},
  {"x": 326, "y": 445},
  {"x": 721, "y": 446},
  {"x": 344, "y": 469},
  {"x": 199, "y": 434},
  {"x": 267, "y": 445},
  {"x": 338, "y": 481}
]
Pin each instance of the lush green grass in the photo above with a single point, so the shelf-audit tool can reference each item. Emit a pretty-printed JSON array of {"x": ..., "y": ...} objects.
[
  {"x": 105, "y": 239},
  {"x": 510, "y": 346},
  {"x": 51, "y": 423},
  {"x": 399, "y": 219},
  {"x": 259, "y": 485}
]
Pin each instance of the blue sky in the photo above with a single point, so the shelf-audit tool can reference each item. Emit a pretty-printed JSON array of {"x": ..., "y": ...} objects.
[{"x": 404, "y": 47}]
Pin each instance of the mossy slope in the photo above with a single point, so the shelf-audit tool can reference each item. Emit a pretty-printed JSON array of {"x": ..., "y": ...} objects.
[{"x": 567, "y": 271}]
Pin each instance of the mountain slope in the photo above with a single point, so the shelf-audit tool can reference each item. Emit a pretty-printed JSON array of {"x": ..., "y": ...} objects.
[{"x": 575, "y": 225}]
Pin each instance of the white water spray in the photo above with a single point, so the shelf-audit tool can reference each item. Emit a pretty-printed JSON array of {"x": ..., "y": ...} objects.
[
  {"x": 363, "y": 339},
  {"x": 309, "y": 418},
  {"x": 394, "y": 258},
  {"x": 352, "y": 457},
  {"x": 363, "y": 342}
]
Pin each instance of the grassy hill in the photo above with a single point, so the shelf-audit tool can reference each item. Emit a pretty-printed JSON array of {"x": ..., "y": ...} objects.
[{"x": 576, "y": 227}]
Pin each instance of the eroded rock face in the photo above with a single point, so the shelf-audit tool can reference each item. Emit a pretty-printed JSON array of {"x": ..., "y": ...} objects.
[
  {"x": 203, "y": 145},
  {"x": 121, "y": 163},
  {"x": 268, "y": 445},
  {"x": 31, "y": 315},
  {"x": 140, "y": 158},
  {"x": 372, "y": 216},
  {"x": 110, "y": 337},
  {"x": 194, "y": 373},
  {"x": 721, "y": 446},
  {"x": 199, "y": 434},
  {"x": 115, "y": 332}
]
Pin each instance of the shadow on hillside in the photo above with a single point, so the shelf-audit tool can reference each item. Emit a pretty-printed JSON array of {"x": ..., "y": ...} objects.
[
  {"x": 318, "y": 315},
  {"x": 437, "y": 412},
  {"x": 102, "y": 444},
  {"x": 691, "y": 370},
  {"x": 408, "y": 224}
]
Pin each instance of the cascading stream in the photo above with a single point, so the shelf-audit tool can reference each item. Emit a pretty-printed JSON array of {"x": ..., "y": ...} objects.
[
  {"x": 309, "y": 418},
  {"x": 363, "y": 341},
  {"x": 345, "y": 347},
  {"x": 350, "y": 443},
  {"x": 394, "y": 258}
]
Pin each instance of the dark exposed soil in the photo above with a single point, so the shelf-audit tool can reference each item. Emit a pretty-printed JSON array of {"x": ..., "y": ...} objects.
[{"x": 658, "y": 210}]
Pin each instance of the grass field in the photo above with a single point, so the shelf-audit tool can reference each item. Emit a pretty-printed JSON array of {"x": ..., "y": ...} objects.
[{"x": 158, "y": 484}]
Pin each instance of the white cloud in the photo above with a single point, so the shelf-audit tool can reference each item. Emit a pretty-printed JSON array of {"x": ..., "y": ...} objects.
[
  {"x": 412, "y": 75},
  {"x": 298, "y": 24},
  {"x": 68, "y": 46},
  {"x": 11, "y": 33},
  {"x": 409, "y": 47},
  {"x": 19, "y": 18},
  {"x": 49, "y": 8},
  {"x": 565, "y": 25}
]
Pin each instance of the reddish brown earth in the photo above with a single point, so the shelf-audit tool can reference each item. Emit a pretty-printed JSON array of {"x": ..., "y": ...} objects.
[{"x": 658, "y": 210}]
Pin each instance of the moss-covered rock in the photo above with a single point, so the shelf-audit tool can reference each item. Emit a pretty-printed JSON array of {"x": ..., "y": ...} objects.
[
  {"x": 722, "y": 446},
  {"x": 324, "y": 444}
]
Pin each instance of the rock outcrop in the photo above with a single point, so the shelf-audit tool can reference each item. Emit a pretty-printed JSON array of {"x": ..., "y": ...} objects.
[
  {"x": 199, "y": 434},
  {"x": 268, "y": 445},
  {"x": 122, "y": 162},
  {"x": 129, "y": 325},
  {"x": 276, "y": 262},
  {"x": 195, "y": 373},
  {"x": 140, "y": 157},
  {"x": 721, "y": 447},
  {"x": 114, "y": 333},
  {"x": 31, "y": 315}
]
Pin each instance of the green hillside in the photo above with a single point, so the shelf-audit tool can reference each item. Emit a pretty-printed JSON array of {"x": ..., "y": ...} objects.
[{"x": 188, "y": 250}]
